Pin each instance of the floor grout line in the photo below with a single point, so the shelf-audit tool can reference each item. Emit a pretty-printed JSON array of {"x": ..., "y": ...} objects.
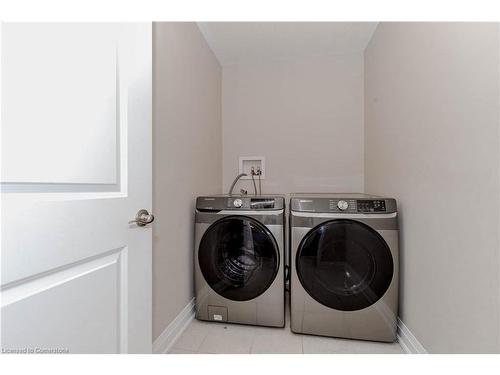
[{"x": 202, "y": 341}]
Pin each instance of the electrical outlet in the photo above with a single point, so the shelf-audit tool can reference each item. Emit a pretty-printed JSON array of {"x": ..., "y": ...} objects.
[{"x": 256, "y": 162}]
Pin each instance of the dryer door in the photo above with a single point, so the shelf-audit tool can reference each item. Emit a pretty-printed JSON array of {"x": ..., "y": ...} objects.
[
  {"x": 344, "y": 264},
  {"x": 238, "y": 257}
]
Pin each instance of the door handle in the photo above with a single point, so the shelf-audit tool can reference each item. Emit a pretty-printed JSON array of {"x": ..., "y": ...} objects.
[{"x": 143, "y": 218}]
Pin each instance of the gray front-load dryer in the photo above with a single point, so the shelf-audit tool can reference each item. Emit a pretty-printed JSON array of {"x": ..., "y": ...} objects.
[
  {"x": 239, "y": 263},
  {"x": 344, "y": 258}
]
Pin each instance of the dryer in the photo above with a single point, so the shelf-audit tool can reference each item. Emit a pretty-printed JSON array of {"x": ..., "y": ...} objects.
[
  {"x": 239, "y": 262},
  {"x": 345, "y": 257}
]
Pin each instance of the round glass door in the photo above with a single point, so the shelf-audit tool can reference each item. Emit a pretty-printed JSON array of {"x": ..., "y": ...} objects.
[
  {"x": 344, "y": 264},
  {"x": 238, "y": 257}
]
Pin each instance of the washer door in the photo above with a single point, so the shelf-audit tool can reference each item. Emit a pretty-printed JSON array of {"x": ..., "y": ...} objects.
[
  {"x": 238, "y": 257},
  {"x": 344, "y": 264}
]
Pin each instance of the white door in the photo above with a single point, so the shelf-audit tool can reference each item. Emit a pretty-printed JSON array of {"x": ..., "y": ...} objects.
[{"x": 76, "y": 168}]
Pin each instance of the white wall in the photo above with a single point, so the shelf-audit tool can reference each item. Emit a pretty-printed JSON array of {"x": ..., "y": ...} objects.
[
  {"x": 187, "y": 156},
  {"x": 432, "y": 142},
  {"x": 305, "y": 116}
]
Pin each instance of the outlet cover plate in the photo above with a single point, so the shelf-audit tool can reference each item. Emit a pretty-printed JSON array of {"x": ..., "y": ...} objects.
[{"x": 246, "y": 163}]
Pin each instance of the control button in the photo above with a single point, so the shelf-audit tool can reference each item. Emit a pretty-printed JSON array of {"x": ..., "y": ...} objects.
[
  {"x": 237, "y": 203},
  {"x": 343, "y": 205}
]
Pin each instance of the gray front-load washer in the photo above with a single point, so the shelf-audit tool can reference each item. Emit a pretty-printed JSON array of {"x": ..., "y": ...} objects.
[
  {"x": 344, "y": 258},
  {"x": 239, "y": 262}
]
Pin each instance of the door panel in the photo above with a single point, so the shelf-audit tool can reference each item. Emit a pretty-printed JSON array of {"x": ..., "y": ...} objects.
[
  {"x": 69, "y": 82},
  {"x": 76, "y": 168},
  {"x": 91, "y": 296}
]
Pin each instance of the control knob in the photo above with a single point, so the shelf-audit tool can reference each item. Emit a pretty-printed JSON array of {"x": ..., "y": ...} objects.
[
  {"x": 237, "y": 203},
  {"x": 343, "y": 205}
]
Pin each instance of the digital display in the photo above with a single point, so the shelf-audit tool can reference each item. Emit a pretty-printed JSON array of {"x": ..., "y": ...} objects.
[
  {"x": 371, "y": 206},
  {"x": 261, "y": 203}
]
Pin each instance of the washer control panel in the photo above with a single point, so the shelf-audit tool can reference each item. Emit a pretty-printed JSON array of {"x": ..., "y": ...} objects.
[
  {"x": 240, "y": 203},
  {"x": 255, "y": 203},
  {"x": 252, "y": 203},
  {"x": 261, "y": 203}
]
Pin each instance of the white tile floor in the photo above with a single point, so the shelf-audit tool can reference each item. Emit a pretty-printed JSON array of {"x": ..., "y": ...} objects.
[{"x": 217, "y": 338}]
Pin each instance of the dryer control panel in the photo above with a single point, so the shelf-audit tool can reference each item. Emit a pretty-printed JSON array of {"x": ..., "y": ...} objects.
[
  {"x": 344, "y": 205},
  {"x": 377, "y": 205}
]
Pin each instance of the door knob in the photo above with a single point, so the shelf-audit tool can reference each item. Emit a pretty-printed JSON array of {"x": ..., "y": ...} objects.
[{"x": 143, "y": 218}]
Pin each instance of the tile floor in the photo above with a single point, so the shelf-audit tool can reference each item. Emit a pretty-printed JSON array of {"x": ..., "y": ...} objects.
[{"x": 217, "y": 338}]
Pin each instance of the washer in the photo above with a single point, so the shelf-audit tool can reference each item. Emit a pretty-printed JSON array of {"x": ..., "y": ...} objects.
[
  {"x": 239, "y": 262},
  {"x": 345, "y": 266}
]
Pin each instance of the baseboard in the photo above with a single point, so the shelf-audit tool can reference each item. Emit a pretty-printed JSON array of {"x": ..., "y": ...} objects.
[
  {"x": 168, "y": 337},
  {"x": 408, "y": 341}
]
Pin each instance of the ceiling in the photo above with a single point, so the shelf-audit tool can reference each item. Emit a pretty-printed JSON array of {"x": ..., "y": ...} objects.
[{"x": 241, "y": 42}]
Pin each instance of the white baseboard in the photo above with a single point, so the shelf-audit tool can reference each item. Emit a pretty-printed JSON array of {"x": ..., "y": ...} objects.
[
  {"x": 168, "y": 337},
  {"x": 408, "y": 341}
]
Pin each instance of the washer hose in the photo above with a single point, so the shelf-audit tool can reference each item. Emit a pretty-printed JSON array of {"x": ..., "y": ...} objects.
[
  {"x": 235, "y": 181},
  {"x": 254, "y": 186}
]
